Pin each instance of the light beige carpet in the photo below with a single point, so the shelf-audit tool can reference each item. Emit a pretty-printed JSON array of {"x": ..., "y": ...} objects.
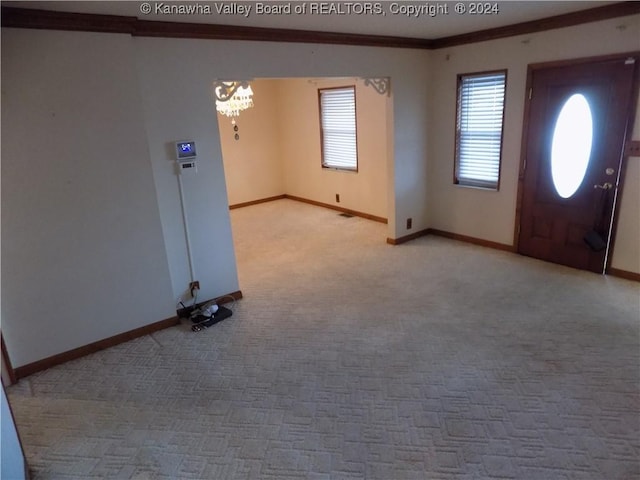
[{"x": 352, "y": 359}]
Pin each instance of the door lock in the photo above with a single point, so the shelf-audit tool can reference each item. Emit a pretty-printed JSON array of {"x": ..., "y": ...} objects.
[
  {"x": 609, "y": 171},
  {"x": 604, "y": 186}
]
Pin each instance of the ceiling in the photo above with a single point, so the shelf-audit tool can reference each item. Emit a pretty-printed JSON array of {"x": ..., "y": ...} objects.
[{"x": 390, "y": 22}]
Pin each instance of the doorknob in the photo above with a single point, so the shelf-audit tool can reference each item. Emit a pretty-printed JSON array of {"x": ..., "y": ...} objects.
[{"x": 604, "y": 186}]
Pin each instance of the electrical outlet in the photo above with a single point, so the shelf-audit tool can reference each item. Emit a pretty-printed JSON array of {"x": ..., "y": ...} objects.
[
  {"x": 337, "y": 198},
  {"x": 409, "y": 223},
  {"x": 194, "y": 286}
]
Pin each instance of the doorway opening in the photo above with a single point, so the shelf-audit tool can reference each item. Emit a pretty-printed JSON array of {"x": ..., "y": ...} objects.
[{"x": 274, "y": 148}]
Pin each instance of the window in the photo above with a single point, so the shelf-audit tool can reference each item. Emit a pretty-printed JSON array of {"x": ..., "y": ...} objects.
[
  {"x": 479, "y": 123},
  {"x": 338, "y": 128}
]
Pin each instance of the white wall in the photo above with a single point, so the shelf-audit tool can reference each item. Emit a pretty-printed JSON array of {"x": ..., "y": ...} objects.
[
  {"x": 491, "y": 215},
  {"x": 12, "y": 461},
  {"x": 176, "y": 106},
  {"x": 83, "y": 256},
  {"x": 253, "y": 164},
  {"x": 626, "y": 251},
  {"x": 364, "y": 191}
]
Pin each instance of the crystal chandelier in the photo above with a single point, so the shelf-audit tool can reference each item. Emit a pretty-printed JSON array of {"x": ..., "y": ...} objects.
[{"x": 232, "y": 97}]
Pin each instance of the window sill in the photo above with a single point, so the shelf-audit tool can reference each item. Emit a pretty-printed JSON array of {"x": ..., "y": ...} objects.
[
  {"x": 477, "y": 187},
  {"x": 336, "y": 169}
]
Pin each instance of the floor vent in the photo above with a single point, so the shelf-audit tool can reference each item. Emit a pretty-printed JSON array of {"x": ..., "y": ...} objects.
[{"x": 346, "y": 215}]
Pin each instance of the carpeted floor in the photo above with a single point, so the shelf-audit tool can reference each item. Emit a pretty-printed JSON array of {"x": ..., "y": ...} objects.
[{"x": 352, "y": 359}]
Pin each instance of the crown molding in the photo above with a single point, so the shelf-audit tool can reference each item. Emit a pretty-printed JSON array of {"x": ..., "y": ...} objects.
[
  {"x": 13, "y": 17},
  {"x": 150, "y": 28},
  {"x": 590, "y": 15},
  {"x": 82, "y": 22},
  {"x": 89, "y": 22}
]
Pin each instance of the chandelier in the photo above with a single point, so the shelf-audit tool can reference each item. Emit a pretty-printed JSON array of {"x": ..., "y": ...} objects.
[{"x": 232, "y": 97}]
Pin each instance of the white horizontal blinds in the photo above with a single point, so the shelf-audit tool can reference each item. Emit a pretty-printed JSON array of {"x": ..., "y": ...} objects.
[
  {"x": 338, "y": 119},
  {"x": 479, "y": 129}
]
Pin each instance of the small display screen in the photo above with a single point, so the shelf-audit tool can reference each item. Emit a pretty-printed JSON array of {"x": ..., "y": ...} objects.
[{"x": 185, "y": 150}]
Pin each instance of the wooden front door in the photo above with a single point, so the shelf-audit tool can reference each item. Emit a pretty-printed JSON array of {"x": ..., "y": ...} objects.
[{"x": 577, "y": 125}]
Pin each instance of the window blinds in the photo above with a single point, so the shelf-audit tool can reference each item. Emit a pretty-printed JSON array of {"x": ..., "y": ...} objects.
[
  {"x": 479, "y": 129},
  {"x": 338, "y": 128}
]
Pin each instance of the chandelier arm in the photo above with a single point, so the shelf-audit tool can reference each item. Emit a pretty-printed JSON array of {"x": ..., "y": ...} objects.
[
  {"x": 236, "y": 97},
  {"x": 225, "y": 90}
]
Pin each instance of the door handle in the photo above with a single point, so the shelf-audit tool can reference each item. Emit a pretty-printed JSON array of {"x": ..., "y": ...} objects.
[{"x": 604, "y": 186}]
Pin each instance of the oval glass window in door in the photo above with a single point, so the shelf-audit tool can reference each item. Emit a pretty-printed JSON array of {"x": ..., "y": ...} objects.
[{"x": 571, "y": 145}]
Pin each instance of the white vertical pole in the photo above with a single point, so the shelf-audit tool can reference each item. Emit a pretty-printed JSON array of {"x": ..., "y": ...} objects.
[{"x": 185, "y": 222}]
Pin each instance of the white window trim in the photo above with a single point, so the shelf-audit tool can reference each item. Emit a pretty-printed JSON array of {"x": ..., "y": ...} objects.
[
  {"x": 478, "y": 150},
  {"x": 338, "y": 128}
]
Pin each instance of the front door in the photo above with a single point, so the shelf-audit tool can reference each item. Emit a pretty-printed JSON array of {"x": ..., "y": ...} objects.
[{"x": 577, "y": 125}]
